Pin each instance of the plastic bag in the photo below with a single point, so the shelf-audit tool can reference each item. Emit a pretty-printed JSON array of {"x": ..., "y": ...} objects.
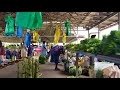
[
  {"x": 35, "y": 37},
  {"x": 27, "y": 41},
  {"x": 102, "y": 65},
  {"x": 19, "y": 32},
  {"x": 67, "y": 25},
  {"x": 57, "y": 35},
  {"x": 29, "y": 20},
  {"x": 9, "y": 29}
]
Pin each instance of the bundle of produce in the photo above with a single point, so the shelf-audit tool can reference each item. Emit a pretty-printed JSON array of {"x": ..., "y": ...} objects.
[
  {"x": 99, "y": 74},
  {"x": 30, "y": 69},
  {"x": 89, "y": 45},
  {"x": 72, "y": 70},
  {"x": 111, "y": 44},
  {"x": 42, "y": 59}
]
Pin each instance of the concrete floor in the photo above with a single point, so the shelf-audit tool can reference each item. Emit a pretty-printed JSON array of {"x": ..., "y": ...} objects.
[{"x": 47, "y": 71}]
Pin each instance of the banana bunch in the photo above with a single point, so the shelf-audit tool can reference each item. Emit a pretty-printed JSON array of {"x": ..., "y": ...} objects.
[{"x": 57, "y": 35}]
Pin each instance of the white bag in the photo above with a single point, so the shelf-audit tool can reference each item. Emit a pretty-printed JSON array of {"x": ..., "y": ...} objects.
[{"x": 102, "y": 65}]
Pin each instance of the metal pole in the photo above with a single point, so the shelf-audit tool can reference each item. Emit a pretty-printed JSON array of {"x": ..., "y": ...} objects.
[
  {"x": 118, "y": 20},
  {"x": 98, "y": 32},
  {"x": 88, "y": 34},
  {"x": 77, "y": 54}
]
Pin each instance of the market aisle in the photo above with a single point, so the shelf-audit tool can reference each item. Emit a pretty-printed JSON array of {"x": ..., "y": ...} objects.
[{"x": 46, "y": 69}]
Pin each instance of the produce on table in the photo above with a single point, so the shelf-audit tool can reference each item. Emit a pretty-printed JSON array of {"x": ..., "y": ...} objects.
[
  {"x": 99, "y": 74},
  {"x": 110, "y": 45},
  {"x": 30, "y": 69},
  {"x": 42, "y": 59},
  {"x": 72, "y": 70}
]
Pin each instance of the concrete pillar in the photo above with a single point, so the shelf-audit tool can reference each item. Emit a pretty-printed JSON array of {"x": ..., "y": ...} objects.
[
  {"x": 88, "y": 34},
  {"x": 98, "y": 32},
  {"x": 119, "y": 21}
]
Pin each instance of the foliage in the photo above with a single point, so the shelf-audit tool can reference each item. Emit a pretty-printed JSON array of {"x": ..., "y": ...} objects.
[
  {"x": 111, "y": 43},
  {"x": 72, "y": 70},
  {"x": 99, "y": 74},
  {"x": 42, "y": 59}
]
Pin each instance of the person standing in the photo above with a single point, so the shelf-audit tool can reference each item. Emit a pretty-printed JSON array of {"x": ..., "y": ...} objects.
[
  {"x": 23, "y": 52},
  {"x": 44, "y": 49}
]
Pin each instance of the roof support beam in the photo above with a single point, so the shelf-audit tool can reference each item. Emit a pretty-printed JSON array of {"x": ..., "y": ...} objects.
[
  {"x": 84, "y": 18},
  {"x": 112, "y": 14}
]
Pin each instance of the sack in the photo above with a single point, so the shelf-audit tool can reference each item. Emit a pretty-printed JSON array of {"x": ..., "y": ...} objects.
[{"x": 9, "y": 29}]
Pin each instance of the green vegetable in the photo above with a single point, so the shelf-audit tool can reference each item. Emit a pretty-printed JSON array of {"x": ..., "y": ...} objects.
[
  {"x": 42, "y": 59},
  {"x": 72, "y": 70},
  {"x": 99, "y": 74}
]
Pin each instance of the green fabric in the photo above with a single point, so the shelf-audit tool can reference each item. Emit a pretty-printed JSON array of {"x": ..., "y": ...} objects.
[
  {"x": 9, "y": 29},
  {"x": 67, "y": 25},
  {"x": 29, "y": 20},
  {"x": 67, "y": 31}
]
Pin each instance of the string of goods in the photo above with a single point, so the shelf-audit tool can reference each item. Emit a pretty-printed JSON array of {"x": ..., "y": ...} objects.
[
  {"x": 36, "y": 37},
  {"x": 57, "y": 35},
  {"x": 64, "y": 37}
]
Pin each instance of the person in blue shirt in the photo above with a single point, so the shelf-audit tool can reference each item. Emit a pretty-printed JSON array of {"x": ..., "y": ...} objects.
[
  {"x": 8, "y": 54},
  {"x": 44, "y": 50}
]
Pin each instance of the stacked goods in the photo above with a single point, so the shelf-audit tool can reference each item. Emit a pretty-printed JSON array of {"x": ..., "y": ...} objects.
[
  {"x": 72, "y": 70},
  {"x": 30, "y": 69},
  {"x": 109, "y": 46}
]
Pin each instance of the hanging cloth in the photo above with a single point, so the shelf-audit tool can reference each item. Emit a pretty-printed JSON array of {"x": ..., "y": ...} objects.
[
  {"x": 27, "y": 41},
  {"x": 29, "y": 20},
  {"x": 9, "y": 29},
  {"x": 57, "y": 35},
  {"x": 19, "y": 31},
  {"x": 64, "y": 37},
  {"x": 67, "y": 25},
  {"x": 35, "y": 37}
]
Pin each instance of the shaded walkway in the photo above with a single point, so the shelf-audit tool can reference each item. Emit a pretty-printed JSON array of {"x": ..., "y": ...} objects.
[{"x": 47, "y": 71}]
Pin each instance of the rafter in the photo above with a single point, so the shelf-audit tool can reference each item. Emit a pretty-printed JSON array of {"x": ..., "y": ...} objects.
[
  {"x": 84, "y": 18},
  {"x": 114, "y": 13}
]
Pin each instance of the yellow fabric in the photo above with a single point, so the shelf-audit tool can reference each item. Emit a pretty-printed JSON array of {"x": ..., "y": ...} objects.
[
  {"x": 64, "y": 37},
  {"x": 57, "y": 35},
  {"x": 35, "y": 37}
]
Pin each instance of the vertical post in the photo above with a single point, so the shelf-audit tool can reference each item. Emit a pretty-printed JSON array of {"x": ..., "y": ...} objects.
[
  {"x": 118, "y": 20},
  {"x": 77, "y": 57},
  {"x": 77, "y": 30},
  {"x": 88, "y": 33},
  {"x": 98, "y": 32}
]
